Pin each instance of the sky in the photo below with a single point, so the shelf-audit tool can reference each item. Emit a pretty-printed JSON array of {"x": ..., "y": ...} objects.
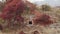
[
  {"x": 42, "y": 0},
  {"x": 0, "y": 0},
  {"x": 35, "y": 0},
  {"x": 50, "y": 2}
]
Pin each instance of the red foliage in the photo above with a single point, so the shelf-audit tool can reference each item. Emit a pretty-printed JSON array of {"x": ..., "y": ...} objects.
[
  {"x": 43, "y": 19},
  {"x": 13, "y": 10}
]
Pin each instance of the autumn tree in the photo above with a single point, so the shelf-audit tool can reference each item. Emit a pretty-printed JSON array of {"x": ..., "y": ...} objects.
[{"x": 12, "y": 12}]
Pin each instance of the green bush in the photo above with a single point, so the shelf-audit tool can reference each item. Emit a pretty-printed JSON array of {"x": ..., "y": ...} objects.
[{"x": 45, "y": 7}]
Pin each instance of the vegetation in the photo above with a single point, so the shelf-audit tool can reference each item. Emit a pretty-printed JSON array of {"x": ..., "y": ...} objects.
[
  {"x": 11, "y": 14},
  {"x": 2, "y": 5},
  {"x": 11, "y": 17},
  {"x": 45, "y": 7}
]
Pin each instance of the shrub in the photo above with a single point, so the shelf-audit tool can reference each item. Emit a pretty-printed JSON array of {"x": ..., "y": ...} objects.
[{"x": 45, "y": 7}]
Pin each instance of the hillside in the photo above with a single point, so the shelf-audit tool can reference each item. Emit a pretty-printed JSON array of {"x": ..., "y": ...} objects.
[{"x": 30, "y": 11}]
